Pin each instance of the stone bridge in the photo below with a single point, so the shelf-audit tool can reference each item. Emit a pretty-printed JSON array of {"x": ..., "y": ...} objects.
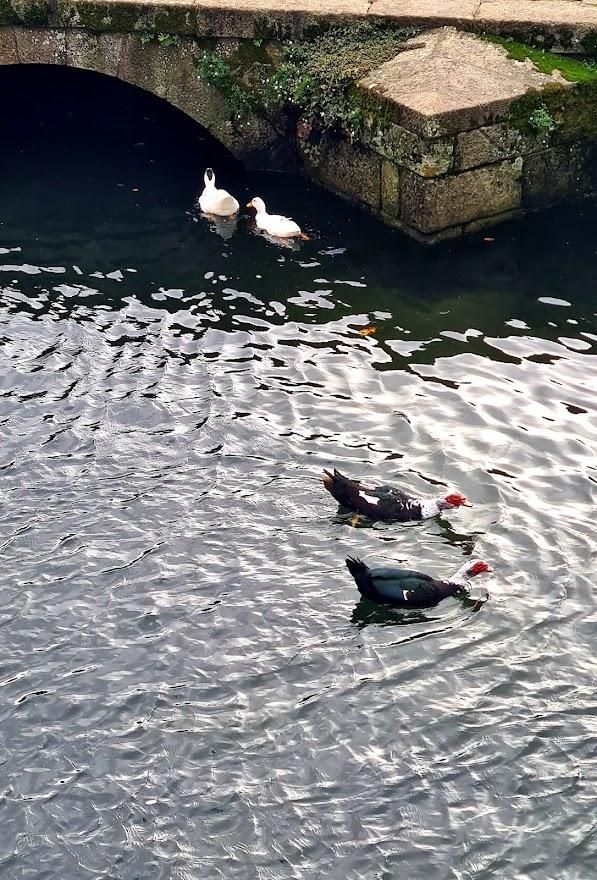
[{"x": 398, "y": 105}]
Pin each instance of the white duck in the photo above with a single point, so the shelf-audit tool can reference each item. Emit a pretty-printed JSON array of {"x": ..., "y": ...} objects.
[
  {"x": 216, "y": 201},
  {"x": 274, "y": 224}
]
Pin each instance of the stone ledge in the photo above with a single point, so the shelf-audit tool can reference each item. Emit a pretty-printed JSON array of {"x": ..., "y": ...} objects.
[{"x": 564, "y": 24}]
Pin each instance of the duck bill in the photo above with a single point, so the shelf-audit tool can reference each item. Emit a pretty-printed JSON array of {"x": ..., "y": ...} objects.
[
  {"x": 466, "y": 503},
  {"x": 249, "y": 204}
]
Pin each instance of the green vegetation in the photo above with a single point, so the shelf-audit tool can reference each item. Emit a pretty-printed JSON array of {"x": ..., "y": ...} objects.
[
  {"x": 215, "y": 70},
  {"x": 169, "y": 40},
  {"x": 33, "y": 13},
  {"x": 568, "y": 112},
  {"x": 316, "y": 76},
  {"x": 541, "y": 121},
  {"x": 163, "y": 39},
  {"x": 572, "y": 69}
]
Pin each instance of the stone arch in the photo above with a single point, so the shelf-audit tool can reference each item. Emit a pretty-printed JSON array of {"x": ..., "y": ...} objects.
[{"x": 165, "y": 71}]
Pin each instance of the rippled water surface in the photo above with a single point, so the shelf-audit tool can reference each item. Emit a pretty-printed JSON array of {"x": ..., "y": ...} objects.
[{"x": 190, "y": 685}]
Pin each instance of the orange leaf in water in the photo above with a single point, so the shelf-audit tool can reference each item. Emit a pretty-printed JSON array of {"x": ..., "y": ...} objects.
[{"x": 367, "y": 331}]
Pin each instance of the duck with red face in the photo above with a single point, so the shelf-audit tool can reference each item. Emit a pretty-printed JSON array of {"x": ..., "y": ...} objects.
[
  {"x": 403, "y": 588},
  {"x": 386, "y": 502}
]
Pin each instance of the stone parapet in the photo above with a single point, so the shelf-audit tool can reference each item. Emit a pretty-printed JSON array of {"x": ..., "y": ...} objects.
[{"x": 563, "y": 25}]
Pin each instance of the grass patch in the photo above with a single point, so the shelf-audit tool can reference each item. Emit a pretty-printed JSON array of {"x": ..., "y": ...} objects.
[{"x": 572, "y": 69}]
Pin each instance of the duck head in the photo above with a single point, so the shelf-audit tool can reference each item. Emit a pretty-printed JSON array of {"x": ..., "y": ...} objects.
[
  {"x": 455, "y": 499},
  {"x": 474, "y": 567},
  {"x": 258, "y": 204},
  {"x": 470, "y": 569},
  {"x": 209, "y": 178}
]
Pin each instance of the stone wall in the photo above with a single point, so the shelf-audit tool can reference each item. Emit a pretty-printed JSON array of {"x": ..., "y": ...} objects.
[{"x": 450, "y": 188}]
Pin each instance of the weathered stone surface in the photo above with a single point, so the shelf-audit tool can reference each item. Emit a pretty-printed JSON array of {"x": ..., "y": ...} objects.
[
  {"x": 8, "y": 46},
  {"x": 550, "y": 13},
  {"x": 573, "y": 20},
  {"x": 207, "y": 106},
  {"x": 431, "y": 205},
  {"x": 449, "y": 81},
  {"x": 31, "y": 13},
  {"x": 124, "y": 16},
  {"x": 41, "y": 46},
  {"x": 280, "y": 18},
  {"x": 429, "y": 158},
  {"x": 390, "y": 189},
  {"x": 564, "y": 25},
  {"x": 150, "y": 67},
  {"x": 430, "y": 12},
  {"x": 99, "y": 52},
  {"x": 348, "y": 169},
  {"x": 554, "y": 175},
  {"x": 493, "y": 143}
]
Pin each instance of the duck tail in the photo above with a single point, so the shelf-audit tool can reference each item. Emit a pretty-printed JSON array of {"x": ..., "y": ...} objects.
[
  {"x": 340, "y": 487},
  {"x": 360, "y": 572},
  {"x": 335, "y": 482}
]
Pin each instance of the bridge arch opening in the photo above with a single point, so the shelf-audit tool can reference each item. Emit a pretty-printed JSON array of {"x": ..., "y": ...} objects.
[{"x": 94, "y": 132}]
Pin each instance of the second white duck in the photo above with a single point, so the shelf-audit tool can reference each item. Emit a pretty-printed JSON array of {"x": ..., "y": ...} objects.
[
  {"x": 274, "y": 224},
  {"x": 216, "y": 201}
]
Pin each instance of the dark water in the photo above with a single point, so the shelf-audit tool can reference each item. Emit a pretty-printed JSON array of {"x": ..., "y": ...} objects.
[{"x": 190, "y": 688}]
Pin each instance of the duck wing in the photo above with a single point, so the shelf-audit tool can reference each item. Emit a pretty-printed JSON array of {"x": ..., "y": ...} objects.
[
  {"x": 411, "y": 588},
  {"x": 226, "y": 201},
  {"x": 403, "y": 585},
  {"x": 374, "y": 502}
]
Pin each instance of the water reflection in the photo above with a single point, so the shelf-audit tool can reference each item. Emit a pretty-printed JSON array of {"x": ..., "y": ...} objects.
[{"x": 225, "y": 227}]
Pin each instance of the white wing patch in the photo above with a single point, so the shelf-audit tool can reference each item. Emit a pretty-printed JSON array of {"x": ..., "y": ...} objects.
[
  {"x": 405, "y": 595},
  {"x": 369, "y": 498}
]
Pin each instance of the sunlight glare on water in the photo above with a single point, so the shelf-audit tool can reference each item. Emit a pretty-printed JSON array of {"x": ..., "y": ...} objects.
[{"x": 191, "y": 687}]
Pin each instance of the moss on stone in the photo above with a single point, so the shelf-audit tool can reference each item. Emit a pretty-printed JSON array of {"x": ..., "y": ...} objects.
[
  {"x": 572, "y": 111},
  {"x": 124, "y": 17},
  {"x": 32, "y": 14},
  {"x": 7, "y": 14},
  {"x": 572, "y": 69}
]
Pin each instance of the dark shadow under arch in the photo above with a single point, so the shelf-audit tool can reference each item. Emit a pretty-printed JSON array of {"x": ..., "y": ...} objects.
[
  {"x": 93, "y": 108},
  {"x": 61, "y": 119}
]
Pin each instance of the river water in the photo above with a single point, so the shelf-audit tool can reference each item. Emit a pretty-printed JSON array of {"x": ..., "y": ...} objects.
[{"x": 190, "y": 685}]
